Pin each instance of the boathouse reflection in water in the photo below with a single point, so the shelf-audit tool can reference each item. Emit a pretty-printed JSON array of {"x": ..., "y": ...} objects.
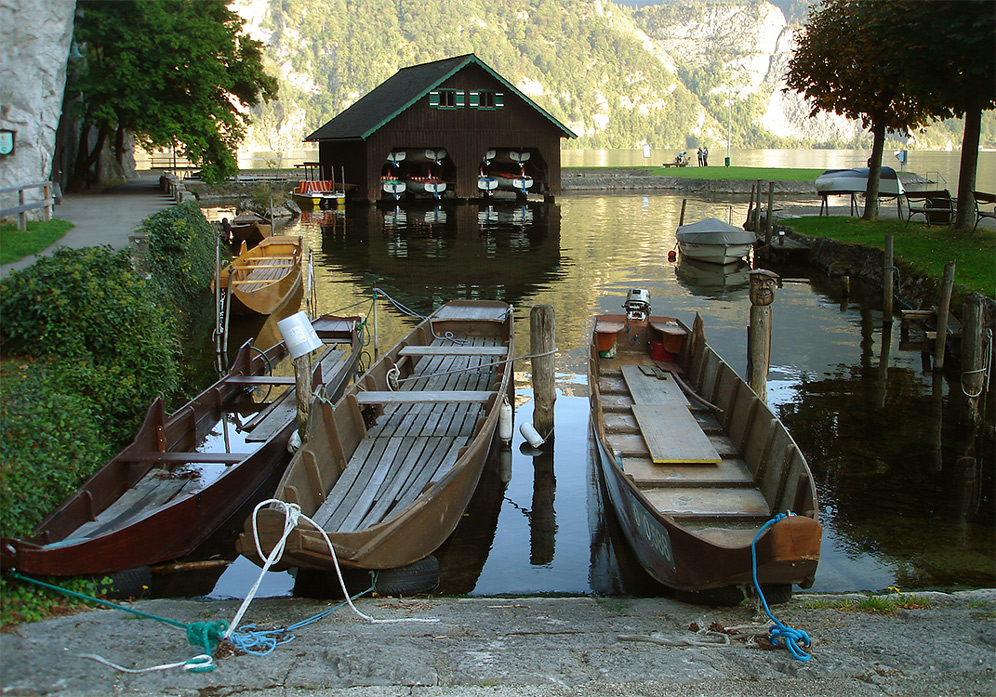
[{"x": 907, "y": 495}]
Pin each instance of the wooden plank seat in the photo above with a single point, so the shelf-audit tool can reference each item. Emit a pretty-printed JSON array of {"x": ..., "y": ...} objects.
[
  {"x": 260, "y": 380},
  {"x": 184, "y": 457},
  {"x": 422, "y": 397},
  {"x": 672, "y": 435},
  {"x": 435, "y": 350}
]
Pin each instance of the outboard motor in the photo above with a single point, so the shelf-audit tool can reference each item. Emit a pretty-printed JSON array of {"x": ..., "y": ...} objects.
[{"x": 637, "y": 304}]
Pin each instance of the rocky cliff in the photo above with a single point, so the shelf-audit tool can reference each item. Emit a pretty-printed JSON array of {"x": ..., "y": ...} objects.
[{"x": 36, "y": 36}]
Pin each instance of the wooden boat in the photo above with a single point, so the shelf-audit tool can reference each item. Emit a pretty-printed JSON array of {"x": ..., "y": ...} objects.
[
  {"x": 387, "y": 472},
  {"x": 425, "y": 185},
  {"x": 262, "y": 279},
  {"x": 486, "y": 185},
  {"x": 184, "y": 476},
  {"x": 519, "y": 183},
  {"x": 693, "y": 484},
  {"x": 393, "y": 187},
  {"x": 247, "y": 228},
  {"x": 714, "y": 241}
]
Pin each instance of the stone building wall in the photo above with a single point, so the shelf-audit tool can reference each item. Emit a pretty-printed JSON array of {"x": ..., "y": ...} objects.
[{"x": 36, "y": 37}]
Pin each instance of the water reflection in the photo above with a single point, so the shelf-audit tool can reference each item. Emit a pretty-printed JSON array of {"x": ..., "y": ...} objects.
[{"x": 906, "y": 494}]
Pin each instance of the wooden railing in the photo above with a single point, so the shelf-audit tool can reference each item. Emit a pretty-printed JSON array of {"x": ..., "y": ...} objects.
[{"x": 22, "y": 208}]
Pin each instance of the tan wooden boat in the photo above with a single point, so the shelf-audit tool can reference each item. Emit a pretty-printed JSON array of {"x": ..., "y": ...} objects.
[
  {"x": 389, "y": 469},
  {"x": 692, "y": 484},
  {"x": 261, "y": 280}
]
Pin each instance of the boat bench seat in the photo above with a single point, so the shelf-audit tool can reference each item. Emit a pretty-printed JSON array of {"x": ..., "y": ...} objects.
[
  {"x": 183, "y": 457},
  {"x": 260, "y": 380},
  {"x": 422, "y": 397},
  {"x": 454, "y": 351}
]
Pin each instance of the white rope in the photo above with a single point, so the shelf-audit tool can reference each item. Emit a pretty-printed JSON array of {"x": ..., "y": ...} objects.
[
  {"x": 984, "y": 370},
  {"x": 293, "y": 517},
  {"x": 201, "y": 662}
]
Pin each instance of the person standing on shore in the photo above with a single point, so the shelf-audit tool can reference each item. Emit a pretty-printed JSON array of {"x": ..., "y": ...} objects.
[
  {"x": 700, "y": 157},
  {"x": 705, "y": 157}
]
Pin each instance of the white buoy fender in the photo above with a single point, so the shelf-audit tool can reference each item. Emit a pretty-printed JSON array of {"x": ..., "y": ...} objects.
[
  {"x": 531, "y": 435},
  {"x": 505, "y": 422}
]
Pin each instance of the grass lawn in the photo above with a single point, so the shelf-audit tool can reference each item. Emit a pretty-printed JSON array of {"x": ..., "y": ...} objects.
[
  {"x": 925, "y": 249},
  {"x": 778, "y": 174},
  {"x": 15, "y": 245}
]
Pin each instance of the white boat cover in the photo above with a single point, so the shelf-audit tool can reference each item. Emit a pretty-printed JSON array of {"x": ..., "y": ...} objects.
[
  {"x": 714, "y": 231},
  {"x": 855, "y": 181}
]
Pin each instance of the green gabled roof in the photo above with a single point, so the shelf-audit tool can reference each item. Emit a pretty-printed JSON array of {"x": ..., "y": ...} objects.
[{"x": 375, "y": 109}]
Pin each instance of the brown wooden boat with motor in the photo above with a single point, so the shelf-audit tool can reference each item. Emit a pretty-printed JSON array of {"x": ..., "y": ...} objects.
[
  {"x": 388, "y": 470},
  {"x": 185, "y": 475},
  {"x": 263, "y": 279},
  {"x": 695, "y": 464}
]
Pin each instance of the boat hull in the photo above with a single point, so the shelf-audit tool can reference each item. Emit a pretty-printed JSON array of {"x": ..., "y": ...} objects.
[
  {"x": 265, "y": 278},
  {"x": 690, "y": 520},
  {"x": 855, "y": 181},
  {"x": 715, "y": 253},
  {"x": 86, "y": 536}
]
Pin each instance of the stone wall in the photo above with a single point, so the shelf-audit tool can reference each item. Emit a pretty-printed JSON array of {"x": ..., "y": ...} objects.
[{"x": 35, "y": 36}]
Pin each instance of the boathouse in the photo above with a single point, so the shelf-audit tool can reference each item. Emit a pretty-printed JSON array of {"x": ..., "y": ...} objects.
[{"x": 453, "y": 128}]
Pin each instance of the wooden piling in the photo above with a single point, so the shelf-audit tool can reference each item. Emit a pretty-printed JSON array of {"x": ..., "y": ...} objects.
[
  {"x": 302, "y": 391},
  {"x": 542, "y": 344},
  {"x": 887, "y": 276},
  {"x": 767, "y": 221},
  {"x": 973, "y": 349},
  {"x": 943, "y": 308},
  {"x": 681, "y": 218},
  {"x": 757, "y": 216}
]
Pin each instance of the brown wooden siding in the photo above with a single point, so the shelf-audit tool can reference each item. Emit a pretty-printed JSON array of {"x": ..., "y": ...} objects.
[{"x": 466, "y": 133}]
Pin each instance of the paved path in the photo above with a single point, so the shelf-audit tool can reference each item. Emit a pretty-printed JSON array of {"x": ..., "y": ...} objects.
[{"x": 107, "y": 218}]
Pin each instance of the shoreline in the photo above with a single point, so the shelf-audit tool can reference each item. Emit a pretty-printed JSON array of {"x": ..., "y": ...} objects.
[{"x": 941, "y": 643}]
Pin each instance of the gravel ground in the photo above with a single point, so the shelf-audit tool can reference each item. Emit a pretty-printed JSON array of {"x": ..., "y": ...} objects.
[{"x": 523, "y": 646}]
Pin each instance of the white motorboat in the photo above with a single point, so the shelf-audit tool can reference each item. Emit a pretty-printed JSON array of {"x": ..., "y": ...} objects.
[
  {"x": 714, "y": 241},
  {"x": 855, "y": 181}
]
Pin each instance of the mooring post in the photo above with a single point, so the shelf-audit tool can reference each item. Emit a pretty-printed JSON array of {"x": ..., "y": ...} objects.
[
  {"x": 767, "y": 220},
  {"x": 542, "y": 327},
  {"x": 757, "y": 214},
  {"x": 302, "y": 389},
  {"x": 762, "y": 294},
  {"x": 681, "y": 218},
  {"x": 887, "y": 275},
  {"x": 943, "y": 307},
  {"x": 973, "y": 349}
]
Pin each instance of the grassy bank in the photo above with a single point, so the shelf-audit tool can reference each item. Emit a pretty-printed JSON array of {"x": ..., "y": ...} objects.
[
  {"x": 776, "y": 174},
  {"x": 16, "y": 244},
  {"x": 925, "y": 249}
]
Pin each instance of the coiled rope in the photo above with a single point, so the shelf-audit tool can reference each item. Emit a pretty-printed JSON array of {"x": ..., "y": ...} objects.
[
  {"x": 987, "y": 352},
  {"x": 778, "y": 633}
]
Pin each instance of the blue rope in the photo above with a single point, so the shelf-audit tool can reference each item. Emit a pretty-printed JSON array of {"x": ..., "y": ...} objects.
[
  {"x": 257, "y": 642},
  {"x": 778, "y": 633}
]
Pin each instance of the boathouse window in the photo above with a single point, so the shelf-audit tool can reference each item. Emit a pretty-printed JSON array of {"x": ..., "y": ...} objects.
[
  {"x": 447, "y": 99},
  {"x": 486, "y": 99}
]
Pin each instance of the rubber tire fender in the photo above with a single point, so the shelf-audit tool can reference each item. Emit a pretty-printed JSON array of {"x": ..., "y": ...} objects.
[{"x": 415, "y": 578}]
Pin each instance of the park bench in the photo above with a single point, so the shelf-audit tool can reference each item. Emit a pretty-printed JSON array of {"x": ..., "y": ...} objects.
[
  {"x": 936, "y": 207},
  {"x": 983, "y": 199}
]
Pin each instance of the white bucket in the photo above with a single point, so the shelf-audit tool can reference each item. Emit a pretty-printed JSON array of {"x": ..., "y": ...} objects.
[{"x": 299, "y": 335}]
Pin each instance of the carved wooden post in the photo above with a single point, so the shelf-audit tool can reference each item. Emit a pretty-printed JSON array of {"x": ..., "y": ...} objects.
[
  {"x": 542, "y": 345},
  {"x": 762, "y": 294}
]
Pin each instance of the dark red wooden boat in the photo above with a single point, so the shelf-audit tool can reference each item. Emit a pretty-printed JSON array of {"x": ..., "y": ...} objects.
[
  {"x": 185, "y": 475},
  {"x": 695, "y": 464}
]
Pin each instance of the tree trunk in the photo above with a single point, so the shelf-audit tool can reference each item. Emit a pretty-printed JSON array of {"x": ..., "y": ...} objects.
[
  {"x": 874, "y": 170},
  {"x": 86, "y": 157},
  {"x": 965, "y": 218}
]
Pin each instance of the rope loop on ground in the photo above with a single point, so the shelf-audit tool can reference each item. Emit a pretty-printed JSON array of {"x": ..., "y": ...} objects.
[{"x": 779, "y": 633}]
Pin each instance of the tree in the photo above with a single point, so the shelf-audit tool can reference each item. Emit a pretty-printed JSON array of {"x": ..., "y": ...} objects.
[
  {"x": 842, "y": 63},
  {"x": 175, "y": 73},
  {"x": 950, "y": 58}
]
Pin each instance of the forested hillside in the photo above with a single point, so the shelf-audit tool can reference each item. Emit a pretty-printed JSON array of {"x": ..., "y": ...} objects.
[{"x": 668, "y": 74}]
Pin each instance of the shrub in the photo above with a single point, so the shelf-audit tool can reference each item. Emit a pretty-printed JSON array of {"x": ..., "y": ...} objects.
[
  {"x": 181, "y": 256},
  {"x": 114, "y": 343}
]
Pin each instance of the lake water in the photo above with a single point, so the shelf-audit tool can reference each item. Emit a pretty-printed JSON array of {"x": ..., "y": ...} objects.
[{"x": 906, "y": 492}]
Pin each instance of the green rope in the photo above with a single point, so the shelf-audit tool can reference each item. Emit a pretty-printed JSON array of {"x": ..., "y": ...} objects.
[{"x": 205, "y": 635}]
